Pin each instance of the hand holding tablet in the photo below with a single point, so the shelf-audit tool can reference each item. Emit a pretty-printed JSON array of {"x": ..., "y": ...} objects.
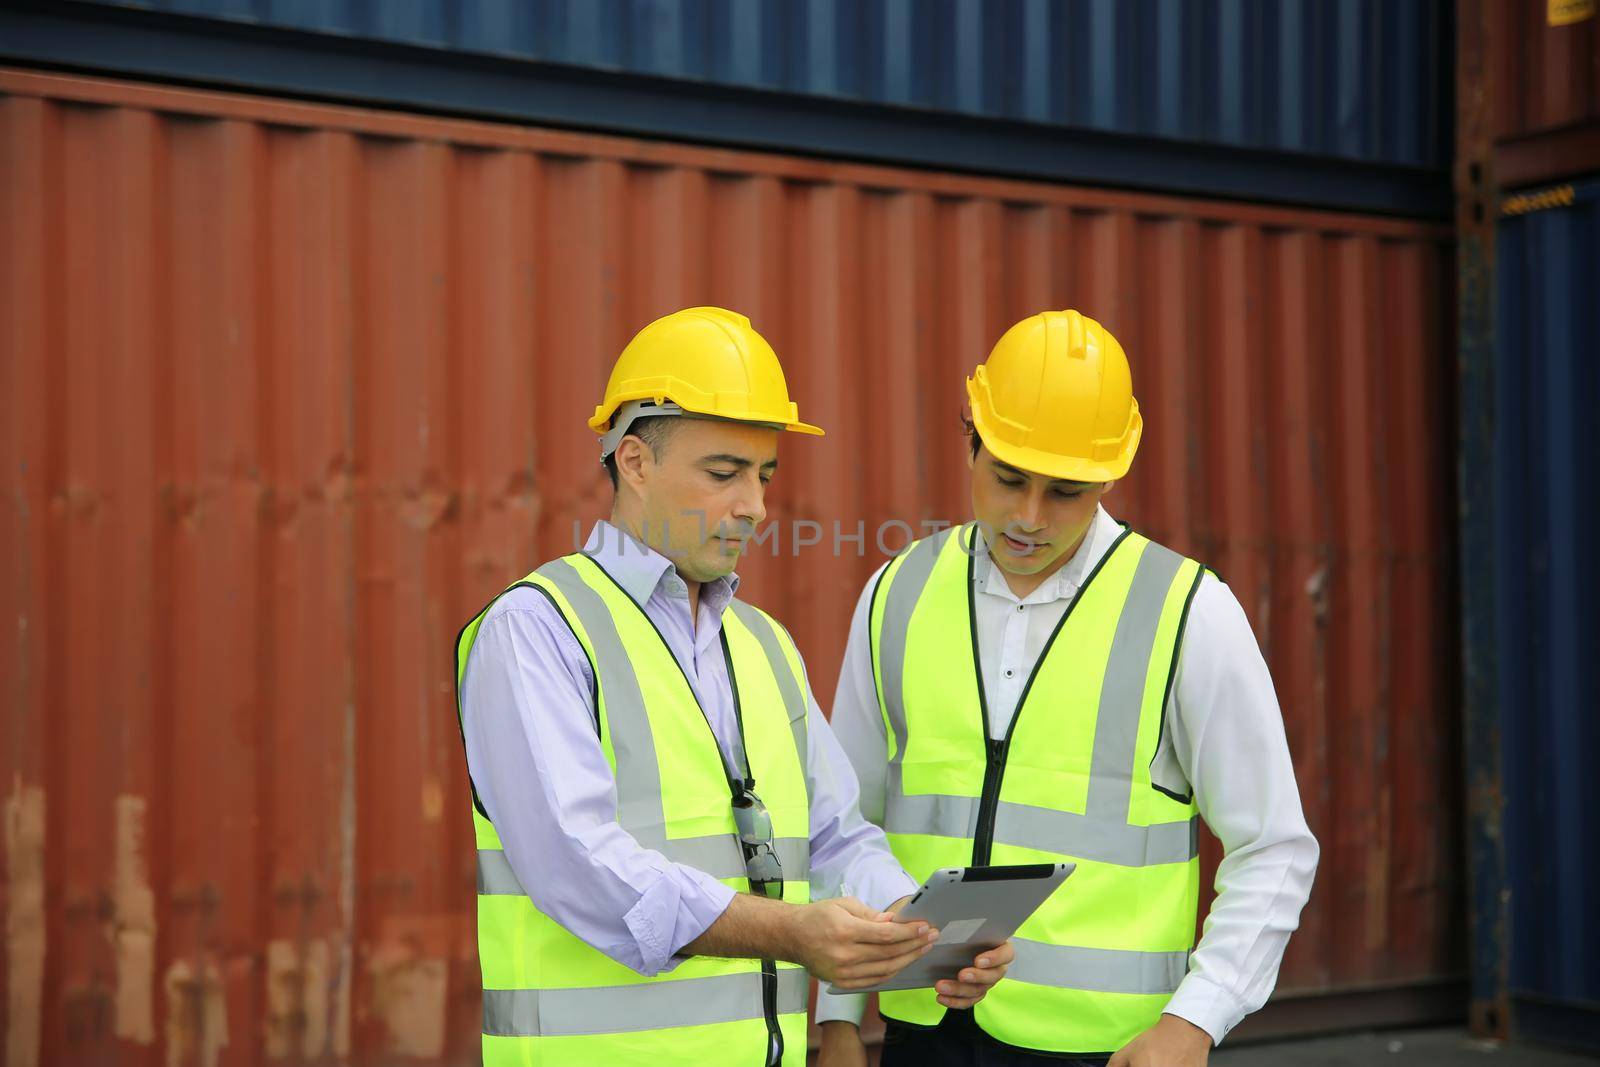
[{"x": 974, "y": 909}]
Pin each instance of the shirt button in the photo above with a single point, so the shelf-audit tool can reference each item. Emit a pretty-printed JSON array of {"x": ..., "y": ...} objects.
[
  {"x": 1021, "y": 607},
  {"x": 1010, "y": 673}
]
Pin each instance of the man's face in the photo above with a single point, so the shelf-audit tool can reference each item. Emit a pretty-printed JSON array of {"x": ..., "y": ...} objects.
[
  {"x": 1030, "y": 521},
  {"x": 702, "y": 491}
]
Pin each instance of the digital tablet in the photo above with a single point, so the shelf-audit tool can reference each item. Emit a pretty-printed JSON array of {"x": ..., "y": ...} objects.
[{"x": 973, "y": 908}]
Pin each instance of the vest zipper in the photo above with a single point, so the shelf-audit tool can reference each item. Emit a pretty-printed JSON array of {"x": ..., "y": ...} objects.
[
  {"x": 994, "y": 751},
  {"x": 997, "y": 751},
  {"x": 983, "y": 839}
]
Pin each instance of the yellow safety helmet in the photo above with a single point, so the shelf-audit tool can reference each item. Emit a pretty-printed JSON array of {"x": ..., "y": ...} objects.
[
  {"x": 1056, "y": 398},
  {"x": 703, "y": 361}
]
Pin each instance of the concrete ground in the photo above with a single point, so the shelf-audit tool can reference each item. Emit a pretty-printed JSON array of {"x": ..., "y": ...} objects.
[{"x": 1399, "y": 1048}]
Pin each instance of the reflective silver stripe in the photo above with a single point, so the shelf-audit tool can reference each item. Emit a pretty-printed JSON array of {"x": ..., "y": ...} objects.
[
  {"x": 901, "y": 596},
  {"x": 1103, "y": 833},
  {"x": 631, "y": 1008},
  {"x": 1088, "y": 838},
  {"x": 1025, "y": 826},
  {"x": 718, "y": 855},
  {"x": 495, "y": 876},
  {"x": 794, "y": 853},
  {"x": 721, "y": 857},
  {"x": 926, "y": 813},
  {"x": 794, "y": 701},
  {"x": 1099, "y": 970},
  {"x": 1116, "y": 728},
  {"x": 639, "y": 808}
]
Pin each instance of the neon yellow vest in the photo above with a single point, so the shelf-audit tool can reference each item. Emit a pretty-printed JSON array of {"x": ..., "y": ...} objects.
[
  {"x": 551, "y": 999},
  {"x": 1098, "y": 962}
]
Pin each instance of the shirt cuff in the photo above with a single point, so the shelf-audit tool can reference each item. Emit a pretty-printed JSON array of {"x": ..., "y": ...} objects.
[
  {"x": 678, "y": 908},
  {"x": 840, "y": 1007},
  {"x": 1206, "y": 1005},
  {"x": 878, "y": 882}
]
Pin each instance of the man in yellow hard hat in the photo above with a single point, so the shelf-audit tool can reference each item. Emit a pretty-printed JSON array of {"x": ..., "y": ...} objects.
[
  {"x": 654, "y": 788},
  {"x": 1045, "y": 684}
]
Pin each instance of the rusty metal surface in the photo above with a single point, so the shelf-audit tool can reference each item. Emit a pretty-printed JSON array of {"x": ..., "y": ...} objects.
[
  {"x": 1477, "y": 209},
  {"x": 290, "y": 390},
  {"x": 1544, "y": 84},
  {"x": 1548, "y": 76}
]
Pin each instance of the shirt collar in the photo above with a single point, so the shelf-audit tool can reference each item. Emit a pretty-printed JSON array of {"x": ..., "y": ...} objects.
[
  {"x": 641, "y": 570},
  {"x": 1064, "y": 583}
]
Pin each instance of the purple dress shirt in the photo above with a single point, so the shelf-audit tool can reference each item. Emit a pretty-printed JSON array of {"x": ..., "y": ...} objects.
[{"x": 534, "y": 754}]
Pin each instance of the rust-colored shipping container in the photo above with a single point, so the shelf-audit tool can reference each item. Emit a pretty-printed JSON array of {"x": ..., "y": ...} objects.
[
  {"x": 290, "y": 390},
  {"x": 1543, "y": 76}
]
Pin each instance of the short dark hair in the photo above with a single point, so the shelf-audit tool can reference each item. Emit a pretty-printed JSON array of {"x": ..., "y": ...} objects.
[
  {"x": 977, "y": 442},
  {"x": 653, "y": 430},
  {"x": 972, "y": 434}
]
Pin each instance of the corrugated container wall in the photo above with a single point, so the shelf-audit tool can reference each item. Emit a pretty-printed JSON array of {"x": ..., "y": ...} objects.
[
  {"x": 290, "y": 390},
  {"x": 1357, "y": 79},
  {"x": 1341, "y": 105},
  {"x": 1546, "y": 90},
  {"x": 1546, "y": 474},
  {"x": 1529, "y": 121},
  {"x": 1550, "y": 69}
]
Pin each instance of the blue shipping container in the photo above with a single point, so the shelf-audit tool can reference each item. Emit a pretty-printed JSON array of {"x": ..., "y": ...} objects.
[
  {"x": 1358, "y": 79},
  {"x": 1026, "y": 87},
  {"x": 1545, "y": 518}
]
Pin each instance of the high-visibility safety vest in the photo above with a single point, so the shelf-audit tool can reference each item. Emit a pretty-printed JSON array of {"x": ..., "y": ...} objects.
[
  {"x": 1099, "y": 960},
  {"x": 551, "y": 1000}
]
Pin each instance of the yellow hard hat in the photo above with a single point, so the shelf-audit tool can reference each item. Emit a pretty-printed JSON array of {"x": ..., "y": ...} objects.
[
  {"x": 1056, "y": 398},
  {"x": 700, "y": 361}
]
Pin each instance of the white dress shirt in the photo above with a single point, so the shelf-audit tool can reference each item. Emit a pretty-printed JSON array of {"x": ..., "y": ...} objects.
[
  {"x": 1225, "y": 743},
  {"x": 533, "y": 751}
]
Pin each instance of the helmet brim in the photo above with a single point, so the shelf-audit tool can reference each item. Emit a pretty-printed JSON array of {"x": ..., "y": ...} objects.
[{"x": 1052, "y": 465}]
